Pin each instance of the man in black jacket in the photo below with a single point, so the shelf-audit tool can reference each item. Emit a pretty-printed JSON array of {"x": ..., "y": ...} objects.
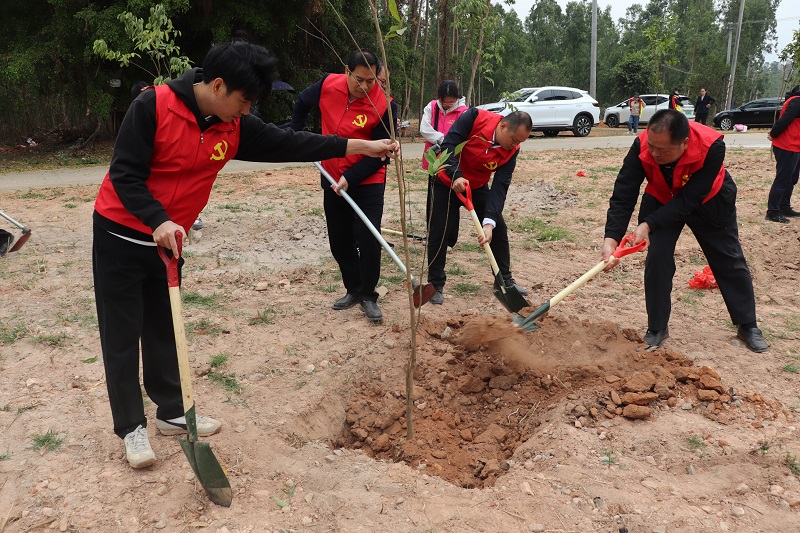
[
  {"x": 172, "y": 143},
  {"x": 785, "y": 137},
  {"x": 702, "y": 106}
]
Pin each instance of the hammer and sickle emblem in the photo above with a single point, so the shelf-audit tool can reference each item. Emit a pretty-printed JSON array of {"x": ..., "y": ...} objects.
[
  {"x": 491, "y": 165},
  {"x": 360, "y": 121},
  {"x": 684, "y": 179},
  {"x": 220, "y": 149}
]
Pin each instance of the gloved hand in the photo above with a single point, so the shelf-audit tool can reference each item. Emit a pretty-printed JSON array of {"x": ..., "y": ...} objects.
[{"x": 437, "y": 149}]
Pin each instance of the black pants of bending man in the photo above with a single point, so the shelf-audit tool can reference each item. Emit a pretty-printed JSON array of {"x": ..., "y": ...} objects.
[
  {"x": 444, "y": 215},
  {"x": 359, "y": 259},
  {"x": 719, "y": 241},
  {"x": 787, "y": 165}
]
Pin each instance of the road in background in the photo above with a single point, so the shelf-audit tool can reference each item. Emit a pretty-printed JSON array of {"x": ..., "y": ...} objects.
[{"x": 412, "y": 152}]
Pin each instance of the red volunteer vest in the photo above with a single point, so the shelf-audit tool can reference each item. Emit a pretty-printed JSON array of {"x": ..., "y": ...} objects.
[
  {"x": 789, "y": 139},
  {"x": 479, "y": 159},
  {"x": 355, "y": 120},
  {"x": 183, "y": 167},
  {"x": 444, "y": 124},
  {"x": 700, "y": 140}
]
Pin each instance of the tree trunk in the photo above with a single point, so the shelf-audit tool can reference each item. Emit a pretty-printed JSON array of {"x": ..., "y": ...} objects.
[
  {"x": 477, "y": 57},
  {"x": 445, "y": 65},
  {"x": 422, "y": 101},
  {"x": 415, "y": 9}
]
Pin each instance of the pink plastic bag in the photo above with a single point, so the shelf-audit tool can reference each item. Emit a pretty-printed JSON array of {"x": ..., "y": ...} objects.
[{"x": 703, "y": 280}]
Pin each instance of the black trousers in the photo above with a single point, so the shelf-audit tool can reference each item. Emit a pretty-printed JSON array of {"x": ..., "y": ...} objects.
[
  {"x": 714, "y": 227},
  {"x": 354, "y": 247},
  {"x": 132, "y": 298},
  {"x": 700, "y": 118},
  {"x": 452, "y": 230},
  {"x": 787, "y": 170},
  {"x": 444, "y": 215}
]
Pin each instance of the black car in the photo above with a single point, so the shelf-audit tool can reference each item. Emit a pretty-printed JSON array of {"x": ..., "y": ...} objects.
[{"x": 759, "y": 113}]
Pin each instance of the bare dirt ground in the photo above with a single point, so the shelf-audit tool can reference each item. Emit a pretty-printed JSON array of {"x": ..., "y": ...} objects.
[{"x": 566, "y": 429}]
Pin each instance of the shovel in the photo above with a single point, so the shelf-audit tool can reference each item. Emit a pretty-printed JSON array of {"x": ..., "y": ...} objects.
[
  {"x": 626, "y": 247},
  {"x": 204, "y": 463},
  {"x": 26, "y": 233},
  {"x": 422, "y": 293},
  {"x": 508, "y": 296}
]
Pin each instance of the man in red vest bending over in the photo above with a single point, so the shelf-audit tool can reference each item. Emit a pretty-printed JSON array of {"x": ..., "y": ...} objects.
[
  {"x": 174, "y": 140},
  {"x": 687, "y": 185},
  {"x": 352, "y": 105},
  {"x": 492, "y": 147}
]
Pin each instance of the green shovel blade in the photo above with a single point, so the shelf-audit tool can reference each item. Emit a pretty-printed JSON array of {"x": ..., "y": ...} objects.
[
  {"x": 205, "y": 465},
  {"x": 511, "y": 299}
]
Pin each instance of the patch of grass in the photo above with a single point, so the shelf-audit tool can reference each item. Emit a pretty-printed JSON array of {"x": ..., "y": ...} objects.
[
  {"x": 693, "y": 297},
  {"x": 203, "y": 327},
  {"x": 470, "y": 246},
  {"x": 463, "y": 288},
  {"x": 21, "y": 409},
  {"x": 234, "y": 208},
  {"x": 793, "y": 368},
  {"x": 763, "y": 448},
  {"x": 11, "y": 335},
  {"x": 609, "y": 457},
  {"x": 6, "y": 408},
  {"x": 456, "y": 270},
  {"x": 227, "y": 381},
  {"x": 392, "y": 279},
  {"x": 5, "y": 456},
  {"x": 541, "y": 230},
  {"x": 70, "y": 206},
  {"x": 53, "y": 340},
  {"x": 219, "y": 360},
  {"x": 199, "y": 300},
  {"x": 265, "y": 316},
  {"x": 316, "y": 212},
  {"x": 89, "y": 360},
  {"x": 791, "y": 461},
  {"x": 50, "y": 441},
  {"x": 696, "y": 443},
  {"x": 84, "y": 320},
  {"x": 330, "y": 287}
]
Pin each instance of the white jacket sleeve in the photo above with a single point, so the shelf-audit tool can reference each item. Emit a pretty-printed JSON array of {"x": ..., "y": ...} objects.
[{"x": 426, "y": 127}]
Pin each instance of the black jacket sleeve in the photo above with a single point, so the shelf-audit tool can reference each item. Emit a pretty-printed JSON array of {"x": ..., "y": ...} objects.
[
  {"x": 626, "y": 192},
  {"x": 500, "y": 184},
  {"x": 307, "y": 100},
  {"x": 130, "y": 163},
  {"x": 370, "y": 165},
  {"x": 792, "y": 112},
  {"x": 458, "y": 133},
  {"x": 269, "y": 143}
]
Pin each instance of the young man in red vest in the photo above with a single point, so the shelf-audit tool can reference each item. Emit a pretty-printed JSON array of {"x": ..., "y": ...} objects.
[
  {"x": 785, "y": 137},
  {"x": 492, "y": 148},
  {"x": 174, "y": 140},
  {"x": 687, "y": 185},
  {"x": 352, "y": 105}
]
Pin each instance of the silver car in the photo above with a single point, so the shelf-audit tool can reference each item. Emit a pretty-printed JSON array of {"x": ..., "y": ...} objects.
[
  {"x": 619, "y": 114},
  {"x": 553, "y": 109}
]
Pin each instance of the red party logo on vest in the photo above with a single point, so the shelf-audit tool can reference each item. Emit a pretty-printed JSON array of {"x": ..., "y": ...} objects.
[
  {"x": 220, "y": 149},
  {"x": 360, "y": 121},
  {"x": 491, "y": 165},
  {"x": 684, "y": 179}
]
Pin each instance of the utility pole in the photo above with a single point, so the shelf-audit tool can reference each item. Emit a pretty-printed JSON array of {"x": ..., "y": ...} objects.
[
  {"x": 593, "y": 60},
  {"x": 729, "y": 98},
  {"x": 730, "y": 38}
]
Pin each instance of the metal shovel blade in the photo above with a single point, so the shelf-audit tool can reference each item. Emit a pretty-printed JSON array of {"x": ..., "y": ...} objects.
[
  {"x": 510, "y": 297},
  {"x": 208, "y": 471},
  {"x": 423, "y": 293}
]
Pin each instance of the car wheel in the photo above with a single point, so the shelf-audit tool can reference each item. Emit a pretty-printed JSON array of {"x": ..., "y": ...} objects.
[
  {"x": 726, "y": 124},
  {"x": 550, "y": 133},
  {"x": 612, "y": 121},
  {"x": 582, "y": 126}
]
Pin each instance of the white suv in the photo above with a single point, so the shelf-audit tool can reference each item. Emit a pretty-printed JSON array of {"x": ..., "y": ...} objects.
[
  {"x": 619, "y": 114},
  {"x": 553, "y": 109}
]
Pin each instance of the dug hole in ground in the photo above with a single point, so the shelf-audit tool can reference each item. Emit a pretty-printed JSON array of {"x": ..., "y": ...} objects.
[{"x": 568, "y": 428}]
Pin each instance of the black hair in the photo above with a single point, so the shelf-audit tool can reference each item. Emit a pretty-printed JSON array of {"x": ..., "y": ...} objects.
[
  {"x": 137, "y": 88},
  {"x": 448, "y": 88},
  {"x": 242, "y": 66},
  {"x": 363, "y": 58},
  {"x": 672, "y": 121},
  {"x": 517, "y": 119}
]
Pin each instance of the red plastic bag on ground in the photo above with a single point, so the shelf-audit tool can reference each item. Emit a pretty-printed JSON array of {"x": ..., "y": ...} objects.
[
  {"x": 581, "y": 173},
  {"x": 704, "y": 279}
]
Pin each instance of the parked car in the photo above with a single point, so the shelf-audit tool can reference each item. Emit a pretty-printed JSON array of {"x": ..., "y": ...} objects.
[
  {"x": 620, "y": 113},
  {"x": 553, "y": 109},
  {"x": 762, "y": 112}
]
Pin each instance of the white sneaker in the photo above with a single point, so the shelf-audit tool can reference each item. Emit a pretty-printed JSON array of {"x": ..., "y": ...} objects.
[
  {"x": 177, "y": 426},
  {"x": 138, "y": 450}
]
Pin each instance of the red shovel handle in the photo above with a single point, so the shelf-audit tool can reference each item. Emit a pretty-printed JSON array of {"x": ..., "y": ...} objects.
[
  {"x": 172, "y": 262},
  {"x": 466, "y": 198},
  {"x": 626, "y": 246}
]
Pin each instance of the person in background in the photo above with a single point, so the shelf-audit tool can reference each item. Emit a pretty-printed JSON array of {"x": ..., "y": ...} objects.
[
  {"x": 687, "y": 185},
  {"x": 353, "y": 105},
  {"x": 437, "y": 118},
  {"x": 492, "y": 145},
  {"x": 675, "y": 100},
  {"x": 636, "y": 105},
  {"x": 173, "y": 141},
  {"x": 702, "y": 106},
  {"x": 785, "y": 137}
]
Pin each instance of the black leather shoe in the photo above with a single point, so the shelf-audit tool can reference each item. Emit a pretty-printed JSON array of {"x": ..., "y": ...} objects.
[
  {"x": 753, "y": 338},
  {"x": 510, "y": 283},
  {"x": 346, "y": 302},
  {"x": 654, "y": 338},
  {"x": 789, "y": 212},
  {"x": 372, "y": 311},
  {"x": 437, "y": 298},
  {"x": 776, "y": 217}
]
